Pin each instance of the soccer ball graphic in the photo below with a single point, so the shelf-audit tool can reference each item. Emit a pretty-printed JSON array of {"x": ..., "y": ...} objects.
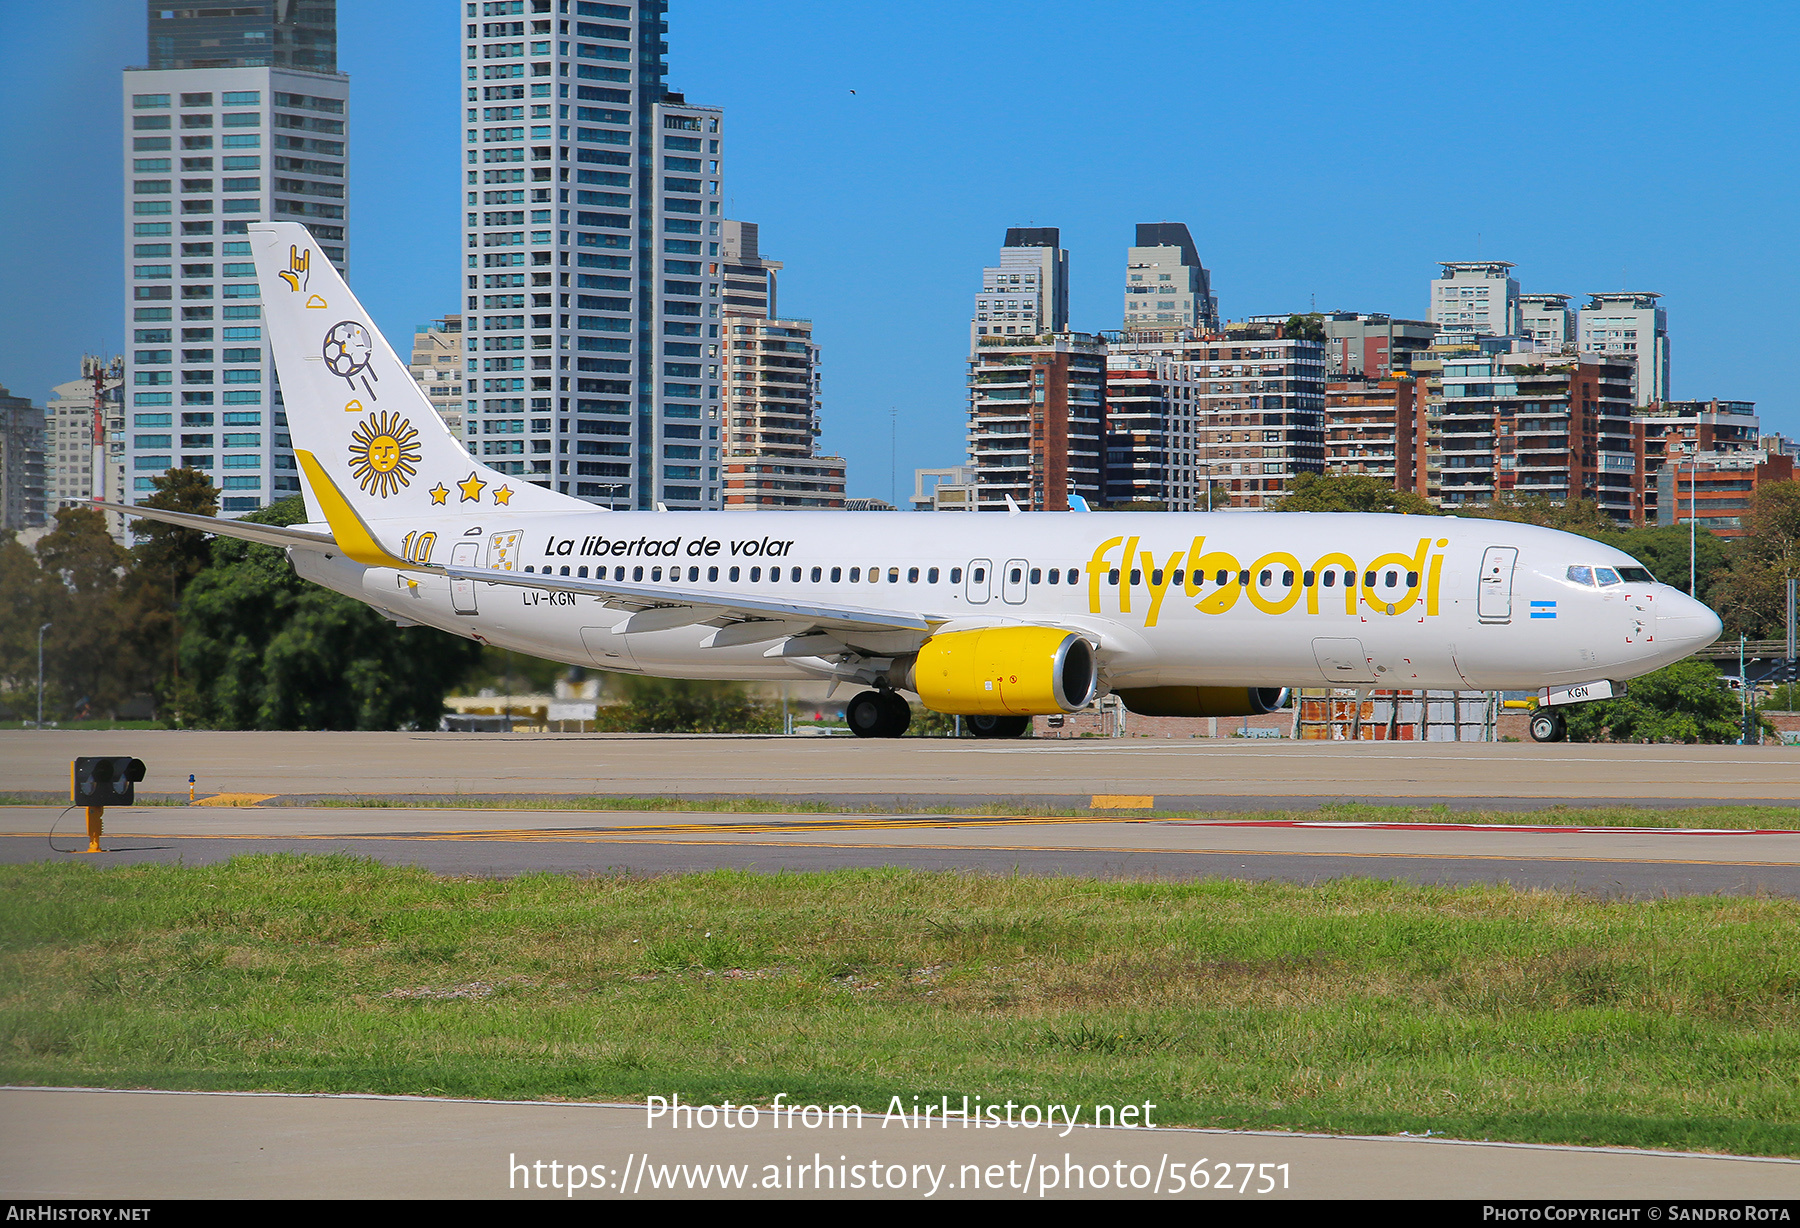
[{"x": 348, "y": 348}]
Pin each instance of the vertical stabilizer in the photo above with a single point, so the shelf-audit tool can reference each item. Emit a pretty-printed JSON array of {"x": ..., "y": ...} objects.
[{"x": 353, "y": 405}]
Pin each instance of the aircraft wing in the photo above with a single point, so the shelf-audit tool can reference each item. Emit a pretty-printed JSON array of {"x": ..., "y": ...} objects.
[
  {"x": 262, "y": 534},
  {"x": 658, "y": 607}
]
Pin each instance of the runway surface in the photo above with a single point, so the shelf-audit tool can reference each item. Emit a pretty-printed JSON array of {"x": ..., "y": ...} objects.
[
  {"x": 930, "y": 771},
  {"x": 71, "y": 1143},
  {"x": 1603, "y": 861}
]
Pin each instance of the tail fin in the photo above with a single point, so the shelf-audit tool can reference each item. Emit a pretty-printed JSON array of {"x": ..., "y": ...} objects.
[{"x": 353, "y": 405}]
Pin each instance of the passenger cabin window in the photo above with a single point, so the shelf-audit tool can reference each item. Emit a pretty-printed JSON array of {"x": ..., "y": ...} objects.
[
  {"x": 931, "y": 575},
  {"x": 855, "y": 574},
  {"x": 980, "y": 574},
  {"x": 955, "y": 575},
  {"x": 712, "y": 575},
  {"x": 837, "y": 574},
  {"x": 734, "y": 575}
]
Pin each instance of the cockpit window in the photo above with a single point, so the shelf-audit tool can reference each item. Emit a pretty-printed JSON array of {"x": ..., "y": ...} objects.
[
  {"x": 1607, "y": 576},
  {"x": 1581, "y": 575},
  {"x": 1637, "y": 575}
]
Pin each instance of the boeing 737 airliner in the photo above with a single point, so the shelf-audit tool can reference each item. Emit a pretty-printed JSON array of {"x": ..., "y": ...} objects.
[{"x": 993, "y": 617}]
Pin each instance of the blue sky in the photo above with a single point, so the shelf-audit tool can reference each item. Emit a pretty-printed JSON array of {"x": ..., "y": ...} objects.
[{"x": 1320, "y": 153}]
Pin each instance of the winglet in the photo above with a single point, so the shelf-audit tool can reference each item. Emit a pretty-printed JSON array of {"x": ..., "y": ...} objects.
[
  {"x": 1078, "y": 504},
  {"x": 1012, "y": 508},
  {"x": 353, "y": 536}
]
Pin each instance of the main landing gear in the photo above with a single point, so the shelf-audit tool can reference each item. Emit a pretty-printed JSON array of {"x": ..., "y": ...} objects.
[
  {"x": 997, "y": 726},
  {"x": 878, "y": 714},
  {"x": 1547, "y": 726}
]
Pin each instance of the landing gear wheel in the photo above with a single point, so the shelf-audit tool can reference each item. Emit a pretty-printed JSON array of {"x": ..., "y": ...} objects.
[
  {"x": 1547, "y": 726},
  {"x": 897, "y": 715},
  {"x": 867, "y": 715},
  {"x": 997, "y": 726}
]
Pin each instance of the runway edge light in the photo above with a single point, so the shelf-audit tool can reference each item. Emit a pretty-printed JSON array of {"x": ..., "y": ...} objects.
[{"x": 99, "y": 781}]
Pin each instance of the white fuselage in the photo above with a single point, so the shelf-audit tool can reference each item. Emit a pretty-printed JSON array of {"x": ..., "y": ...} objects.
[{"x": 1431, "y": 602}]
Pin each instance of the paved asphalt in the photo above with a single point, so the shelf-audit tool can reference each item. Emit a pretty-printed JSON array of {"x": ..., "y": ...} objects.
[
  {"x": 1599, "y": 861},
  {"x": 68, "y": 1143},
  {"x": 1272, "y": 772}
]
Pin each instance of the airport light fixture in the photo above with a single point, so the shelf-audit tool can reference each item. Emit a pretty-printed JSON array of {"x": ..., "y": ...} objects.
[{"x": 41, "y": 630}]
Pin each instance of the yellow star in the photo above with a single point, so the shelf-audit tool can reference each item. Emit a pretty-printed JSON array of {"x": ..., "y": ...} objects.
[
  {"x": 503, "y": 495},
  {"x": 471, "y": 488},
  {"x": 439, "y": 493}
]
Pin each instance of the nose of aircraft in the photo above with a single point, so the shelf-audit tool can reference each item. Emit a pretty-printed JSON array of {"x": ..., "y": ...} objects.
[{"x": 1686, "y": 624}]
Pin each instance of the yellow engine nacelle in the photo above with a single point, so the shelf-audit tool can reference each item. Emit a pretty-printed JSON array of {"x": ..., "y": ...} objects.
[
  {"x": 1203, "y": 700},
  {"x": 1005, "y": 671}
]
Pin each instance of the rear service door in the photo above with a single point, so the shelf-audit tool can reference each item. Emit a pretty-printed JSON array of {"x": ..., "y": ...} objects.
[
  {"x": 1494, "y": 603},
  {"x": 462, "y": 592}
]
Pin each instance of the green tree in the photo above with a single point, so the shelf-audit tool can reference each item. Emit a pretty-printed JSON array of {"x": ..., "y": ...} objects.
[
  {"x": 168, "y": 556},
  {"x": 1574, "y": 516},
  {"x": 1664, "y": 550},
  {"x": 263, "y": 649},
  {"x": 24, "y": 606},
  {"x": 1350, "y": 492},
  {"x": 165, "y": 560},
  {"x": 684, "y": 705},
  {"x": 1753, "y": 594},
  {"x": 89, "y": 651},
  {"x": 1683, "y": 702},
  {"x": 1310, "y": 327}
]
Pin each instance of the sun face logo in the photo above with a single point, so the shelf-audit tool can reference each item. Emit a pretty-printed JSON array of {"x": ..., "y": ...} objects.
[{"x": 384, "y": 454}]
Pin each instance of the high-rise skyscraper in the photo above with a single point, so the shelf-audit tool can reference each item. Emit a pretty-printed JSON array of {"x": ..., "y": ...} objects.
[
  {"x": 592, "y": 249},
  {"x": 1027, "y": 293},
  {"x": 240, "y": 116},
  {"x": 1166, "y": 286}
]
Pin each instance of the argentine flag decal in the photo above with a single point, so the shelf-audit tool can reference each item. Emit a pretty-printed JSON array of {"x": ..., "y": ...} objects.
[{"x": 1543, "y": 609}]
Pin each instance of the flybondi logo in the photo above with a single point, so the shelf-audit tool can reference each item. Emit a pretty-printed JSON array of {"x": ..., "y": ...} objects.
[{"x": 1273, "y": 583}]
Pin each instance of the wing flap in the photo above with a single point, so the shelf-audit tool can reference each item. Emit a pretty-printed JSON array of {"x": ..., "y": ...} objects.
[{"x": 711, "y": 603}]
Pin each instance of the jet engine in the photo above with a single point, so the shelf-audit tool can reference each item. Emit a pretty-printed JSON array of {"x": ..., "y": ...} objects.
[
  {"x": 1004, "y": 671},
  {"x": 1203, "y": 700}
]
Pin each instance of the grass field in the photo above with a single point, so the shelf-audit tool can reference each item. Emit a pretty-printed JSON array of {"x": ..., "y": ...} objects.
[{"x": 1357, "y": 1006}]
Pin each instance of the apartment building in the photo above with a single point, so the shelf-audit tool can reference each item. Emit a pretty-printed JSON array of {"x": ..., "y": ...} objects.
[
  {"x": 1629, "y": 325},
  {"x": 1027, "y": 293},
  {"x": 1674, "y": 432},
  {"x": 1166, "y": 286},
  {"x": 1545, "y": 319},
  {"x": 437, "y": 360},
  {"x": 1258, "y": 408},
  {"x": 1037, "y": 420},
  {"x": 1153, "y": 427},
  {"x": 1378, "y": 428},
  {"x": 1510, "y": 422},
  {"x": 21, "y": 463},
  {"x": 1372, "y": 346},
  {"x": 1715, "y": 490},
  {"x": 1474, "y": 298},
  {"x": 69, "y": 453},
  {"x": 771, "y": 385}
]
